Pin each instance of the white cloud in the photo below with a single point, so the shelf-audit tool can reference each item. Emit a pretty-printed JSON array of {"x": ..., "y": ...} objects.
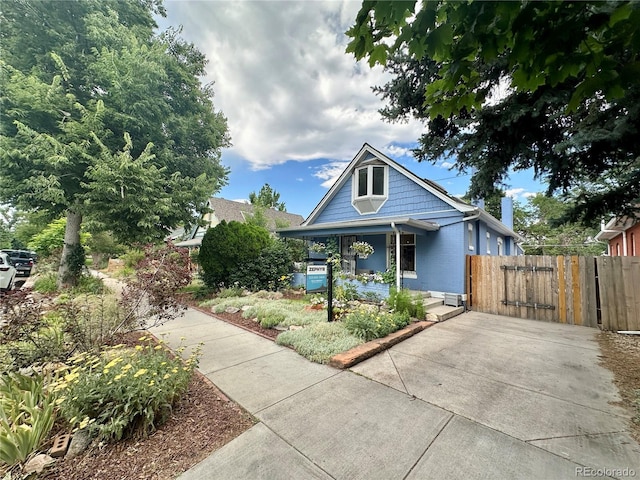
[
  {"x": 396, "y": 151},
  {"x": 516, "y": 193},
  {"x": 513, "y": 192},
  {"x": 330, "y": 172},
  {"x": 284, "y": 82},
  {"x": 446, "y": 165}
]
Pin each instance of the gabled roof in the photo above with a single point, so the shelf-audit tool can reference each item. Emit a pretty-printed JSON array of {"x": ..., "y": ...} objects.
[
  {"x": 363, "y": 154},
  {"x": 237, "y": 211},
  {"x": 438, "y": 191}
]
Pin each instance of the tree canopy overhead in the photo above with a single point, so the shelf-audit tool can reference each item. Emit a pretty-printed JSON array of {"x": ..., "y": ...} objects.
[
  {"x": 549, "y": 85},
  {"x": 103, "y": 119}
]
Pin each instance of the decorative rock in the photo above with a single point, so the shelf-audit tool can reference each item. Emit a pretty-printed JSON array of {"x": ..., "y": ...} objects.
[
  {"x": 79, "y": 443},
  {"x": 38, "y": 463},
  {"x": 296, "y": 327},
  {"x": 280, "y": 328},
  {"x": 246, "y": 307},
  {"x": 231, "y": 310}
]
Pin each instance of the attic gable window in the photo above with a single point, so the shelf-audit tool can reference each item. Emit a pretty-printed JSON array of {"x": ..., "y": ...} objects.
[{"x": 370, "y": 188}]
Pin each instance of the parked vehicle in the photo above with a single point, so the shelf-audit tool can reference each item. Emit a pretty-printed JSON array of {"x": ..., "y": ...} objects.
[
  {"x": 7, "y": 272},
  {"x": 22, "y": 260}
]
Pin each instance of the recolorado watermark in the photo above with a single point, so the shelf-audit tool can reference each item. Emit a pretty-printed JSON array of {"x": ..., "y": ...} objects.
[{"x": 605, "y": 472}]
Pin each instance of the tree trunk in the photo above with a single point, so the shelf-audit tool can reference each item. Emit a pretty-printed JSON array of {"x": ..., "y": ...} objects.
[{"x": 66, "y": 275}]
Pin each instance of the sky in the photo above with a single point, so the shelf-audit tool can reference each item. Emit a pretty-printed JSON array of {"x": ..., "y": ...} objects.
[{"x": 298, "y": 107}]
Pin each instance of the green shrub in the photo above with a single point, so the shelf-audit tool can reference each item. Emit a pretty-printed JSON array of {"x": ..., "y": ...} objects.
[
  {"x": 268, "y": 271},
  {"x": 227, "y": 246},
  {"x": 27, "y": 414},
  {"x": 46, "y": 283},
  {"x": 271, "y": 319},
  {"x": 402, "y": 301},
  {"x": 89, "y": 284},
  {"x": 132, "y": 258},
  {"x": 124, "y": 392},
  {"x": 228, "y": 292},
  {"x": 320, "y": 341},
  {"x": 367, "y": 323}
]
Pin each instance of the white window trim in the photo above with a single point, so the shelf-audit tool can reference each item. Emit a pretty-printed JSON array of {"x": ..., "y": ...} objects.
[
  {"x": 369, "y": 204},
  {"x": 488, "y": 243},
  {"x": 500, "y": 246},
  {"x": 470, "y": 236}
]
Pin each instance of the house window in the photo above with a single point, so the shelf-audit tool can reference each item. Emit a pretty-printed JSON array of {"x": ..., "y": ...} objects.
[
  {"x": 370, "y": 187},
  {"x": 470, "y": 236},
  {"x": 618, "y": 249},
  {"x": 407, "y": 253},
  {"x": 488, "y": 243},
  {"x": 500, "y": 247}
]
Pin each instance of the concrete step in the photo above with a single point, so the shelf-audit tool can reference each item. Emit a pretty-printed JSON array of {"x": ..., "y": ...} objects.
[
  {"x": 443, "y": 312},
  {"x": 432, "y": 302}
]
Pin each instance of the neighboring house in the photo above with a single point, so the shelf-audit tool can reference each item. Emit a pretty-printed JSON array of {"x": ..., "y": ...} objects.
[
  {"x": 622, "y": 235},
  {"x": 408, "y": 221},
  {"x": 229, "y": 210}
]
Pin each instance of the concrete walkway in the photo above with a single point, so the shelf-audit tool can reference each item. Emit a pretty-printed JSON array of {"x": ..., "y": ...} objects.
[{"x": 478, "y": 396}]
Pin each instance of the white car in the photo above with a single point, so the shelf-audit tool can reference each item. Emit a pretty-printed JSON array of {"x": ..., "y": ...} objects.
[{"x": 7, "y": 272}]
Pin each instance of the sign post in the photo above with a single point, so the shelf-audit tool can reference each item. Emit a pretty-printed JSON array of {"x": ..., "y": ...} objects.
[{"x": 330, "y": 291}]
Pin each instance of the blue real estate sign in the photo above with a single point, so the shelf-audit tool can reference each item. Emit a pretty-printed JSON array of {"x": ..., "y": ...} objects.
[{"x": 316, "y": 278}]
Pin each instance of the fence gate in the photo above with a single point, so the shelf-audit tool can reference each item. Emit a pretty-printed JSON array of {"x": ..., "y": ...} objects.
[{"x": 552, "y": 289}]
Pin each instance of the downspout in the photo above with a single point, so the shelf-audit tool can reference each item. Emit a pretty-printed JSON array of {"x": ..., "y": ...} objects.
[{"x": 397, "y": 232}]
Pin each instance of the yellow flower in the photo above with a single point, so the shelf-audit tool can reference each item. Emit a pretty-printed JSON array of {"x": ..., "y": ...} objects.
[
  {"x": 142, "y": 371},
  {"x": 84, "y": 423},
  {"x": 138, "y": 347},
  {"x": 157, "y": 347},
  {"x": 118, "y": 377},
  {"x": 126, "y": 368},
  {"x": 113, "y": 362},
  {"x": 142, "y": 339},
  {"x": 166, "y": 375},
  {"x": 151, "y": 383}
]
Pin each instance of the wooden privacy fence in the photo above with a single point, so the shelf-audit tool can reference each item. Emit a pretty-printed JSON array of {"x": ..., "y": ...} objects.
[{"x": 589, "y": 291}]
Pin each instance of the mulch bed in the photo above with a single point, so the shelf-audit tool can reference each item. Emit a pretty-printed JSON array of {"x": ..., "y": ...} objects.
[{"x": 203, "y": 421}]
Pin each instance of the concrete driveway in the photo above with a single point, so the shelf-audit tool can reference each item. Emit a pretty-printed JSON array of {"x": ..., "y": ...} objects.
[
  {"x": 477, "y": 396},
  {"x": 519, "y": 390}
]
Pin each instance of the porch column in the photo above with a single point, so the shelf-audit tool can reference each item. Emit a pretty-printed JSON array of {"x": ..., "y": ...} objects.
[{"x": 397, "y": 232}]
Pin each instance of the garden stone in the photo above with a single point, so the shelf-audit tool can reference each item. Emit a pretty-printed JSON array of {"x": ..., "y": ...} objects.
[
  {"x": 296, "y": 327},
  {"x": 246, "y": 307},
  {"x": 280, "y": 328},
  {"x": 38, "y": 463},
  {"x": 79, "y": 443},
  {"x": 231, "y": 310}
]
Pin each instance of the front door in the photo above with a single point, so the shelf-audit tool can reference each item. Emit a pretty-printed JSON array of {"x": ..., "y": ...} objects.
[{"x": 348, "y": 257}]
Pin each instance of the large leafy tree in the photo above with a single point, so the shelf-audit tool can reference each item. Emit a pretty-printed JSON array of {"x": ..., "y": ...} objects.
[
  {"x": 105, "y": 120},
  {"x": 267, "y": 197},
  {"x": 540, "y": 222},
  {"x": 549, "y": 85}
]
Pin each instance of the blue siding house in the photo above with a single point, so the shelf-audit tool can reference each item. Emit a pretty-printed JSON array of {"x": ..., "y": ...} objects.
[{"x": 409, "y": 221}]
